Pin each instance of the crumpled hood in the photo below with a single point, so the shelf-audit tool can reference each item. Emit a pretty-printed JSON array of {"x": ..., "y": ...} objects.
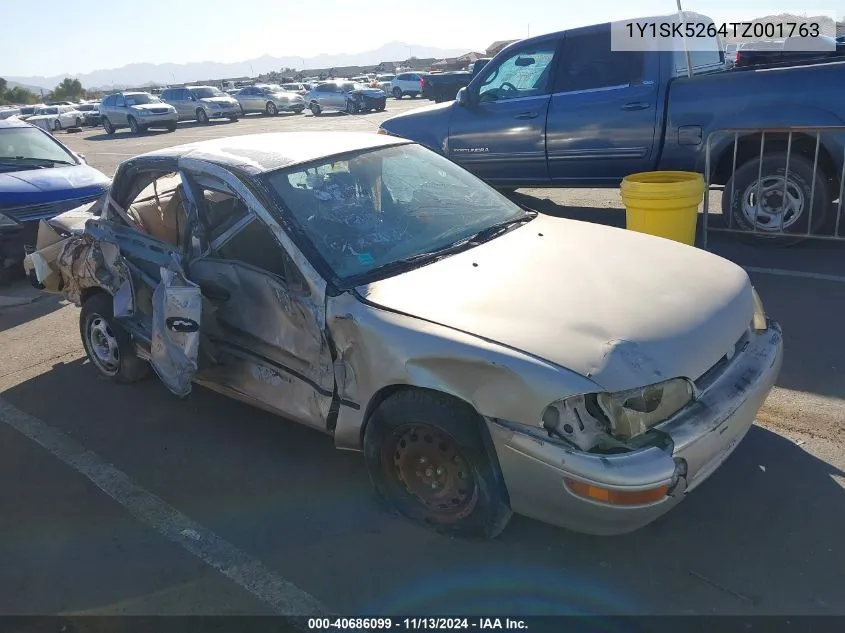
[
  {"x": 56, "y": 184},
  {"x": 621, "y": 308}
]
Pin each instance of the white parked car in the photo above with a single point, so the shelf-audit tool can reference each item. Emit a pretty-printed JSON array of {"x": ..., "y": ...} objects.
[
  {"x": 406, "y": 84},
  {"x": 5, "y": 113},
  {"x": 384, "y": 82},
  {"x": 58, "y": 117}
]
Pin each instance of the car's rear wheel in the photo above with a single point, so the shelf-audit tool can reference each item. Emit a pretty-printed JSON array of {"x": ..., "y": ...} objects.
[
  {"x": 414, "y": 95},
  {"x": 107, "y": 126},
  {"x": 57, "y": 125},
  {"x": 107, "y": 344},
  {"x": 770, "y": 202},
  {"x": 427, "y": 459},
  {"x": 315, "y": 109},
  {"x": 133, "y": 126},
  {"x": 271, "y": 109},
  {"x": 397, "y": 93},
  {"x": 202, "y": 117},
  {"x": 78, "y": 122}
]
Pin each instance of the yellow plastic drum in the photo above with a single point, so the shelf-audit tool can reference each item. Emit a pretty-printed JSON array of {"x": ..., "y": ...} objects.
[{"x": 663, "y": 203}]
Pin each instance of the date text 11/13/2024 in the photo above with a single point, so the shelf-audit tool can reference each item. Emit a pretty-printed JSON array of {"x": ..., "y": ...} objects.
[{"x": 416, "y": 624}]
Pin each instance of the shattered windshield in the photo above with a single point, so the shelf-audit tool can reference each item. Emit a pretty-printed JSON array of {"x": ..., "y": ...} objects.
[{"x": 383, "y": 206}]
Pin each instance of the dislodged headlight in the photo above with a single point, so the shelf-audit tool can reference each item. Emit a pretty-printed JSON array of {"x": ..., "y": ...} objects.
[
  {"x": 758, "y": 322},
  {"x": 635, "y": 411}
]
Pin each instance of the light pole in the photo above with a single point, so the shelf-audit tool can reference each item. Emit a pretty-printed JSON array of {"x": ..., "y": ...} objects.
[{"x": 686, "y": 48}]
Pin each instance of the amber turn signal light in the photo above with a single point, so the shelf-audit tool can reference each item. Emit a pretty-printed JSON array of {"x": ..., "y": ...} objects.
[{"x": 617, "y": 497}]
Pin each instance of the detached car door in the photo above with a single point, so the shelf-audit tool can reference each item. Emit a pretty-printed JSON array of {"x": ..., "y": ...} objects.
[
  {"x": 499, "y": 134},
  {"x": 262, "y": 328}
]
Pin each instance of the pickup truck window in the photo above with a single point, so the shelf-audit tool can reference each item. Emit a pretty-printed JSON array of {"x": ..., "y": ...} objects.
[
  {"x": 525, "y": 73},
  {"x": 701, "y": 59},
  {"x": 588, "y": 63}
]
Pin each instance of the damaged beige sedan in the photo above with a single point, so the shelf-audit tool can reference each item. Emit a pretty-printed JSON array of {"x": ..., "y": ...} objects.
[{"x": 485, "y": 359}]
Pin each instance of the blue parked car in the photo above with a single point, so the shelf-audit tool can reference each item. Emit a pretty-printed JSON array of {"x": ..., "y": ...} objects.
[{"x": 39, "y": 179}]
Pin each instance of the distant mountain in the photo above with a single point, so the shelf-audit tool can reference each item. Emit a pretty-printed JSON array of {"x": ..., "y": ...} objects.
[
  {"x": 30, "y": 87},
  {"x": 147, "y": 74}
]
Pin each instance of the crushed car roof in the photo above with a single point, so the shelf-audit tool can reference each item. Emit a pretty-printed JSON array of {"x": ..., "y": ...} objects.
[{"x": 258, "y": 153}]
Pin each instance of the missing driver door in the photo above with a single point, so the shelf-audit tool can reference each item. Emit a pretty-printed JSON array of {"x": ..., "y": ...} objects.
[{"x": 270, "y": 346}]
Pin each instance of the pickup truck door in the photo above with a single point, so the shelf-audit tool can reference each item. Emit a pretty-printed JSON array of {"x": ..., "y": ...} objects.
[
  {"x": 603, "y": 112},
  {"x": 499, "y": 132}
]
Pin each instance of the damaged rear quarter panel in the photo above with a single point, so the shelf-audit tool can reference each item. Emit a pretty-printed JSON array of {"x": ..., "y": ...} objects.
[{"x": 377, "y": 348}]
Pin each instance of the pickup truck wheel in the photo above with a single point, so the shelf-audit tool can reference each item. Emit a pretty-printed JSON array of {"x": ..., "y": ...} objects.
[
  {"x": 397, "y": 93},
  {"x": 781, "y": 215},
  {"x": 107, "y": 344},
  {"x": 427, "y": 460}
]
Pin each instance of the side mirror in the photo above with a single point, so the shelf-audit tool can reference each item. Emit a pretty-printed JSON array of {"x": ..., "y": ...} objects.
[
  {"x": 82, "y": 158},
  {"x": 462, "y": 97}
]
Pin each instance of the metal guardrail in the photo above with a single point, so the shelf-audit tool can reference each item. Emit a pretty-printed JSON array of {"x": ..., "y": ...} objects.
[{"x": 784, "y": 224}]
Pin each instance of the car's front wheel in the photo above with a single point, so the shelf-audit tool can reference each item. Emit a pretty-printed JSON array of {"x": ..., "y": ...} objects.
[
  {"x": 108, "y": 346},
  {"x": 107, "y": 126},
  {"x": 171, "y": 127},
  {"x": 271, "y": 109},
  {"x": 133, "y": 126},
  {"x": 202, "y": 117},
  {"x": 427, "y": 459},
  {"x": 397, "y": 93},
  {"x": 351, "y": 108},
  {"x": 315, "y": 109}
]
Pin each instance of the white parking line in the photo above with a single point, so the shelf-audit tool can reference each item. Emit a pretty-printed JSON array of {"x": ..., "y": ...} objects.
[
  {"x": 795, "y": 273},
  {"x": 281, "y": 595},
  {"x": 111, "y": 154}
]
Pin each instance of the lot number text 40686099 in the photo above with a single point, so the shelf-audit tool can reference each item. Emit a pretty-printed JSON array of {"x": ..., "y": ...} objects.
[{"x": 416, "y": 624}]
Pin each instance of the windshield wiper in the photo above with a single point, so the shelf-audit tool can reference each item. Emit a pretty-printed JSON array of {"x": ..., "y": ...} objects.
[
  {"x": 31, "y": 161},
  {"x": 483, "y": 235}
]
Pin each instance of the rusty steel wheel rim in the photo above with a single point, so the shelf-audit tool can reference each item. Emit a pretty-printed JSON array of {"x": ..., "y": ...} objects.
[{"x": 428, "y": 465}]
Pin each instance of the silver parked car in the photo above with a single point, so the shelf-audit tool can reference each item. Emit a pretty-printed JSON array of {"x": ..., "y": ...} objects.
[
  {"x": 374, "y": 290},
  {"x": 345, "y": 96},
  {"x": 202, "y": 103},
  {"x": 270, "y": 99},
  {"x": 138, "y": 111}
]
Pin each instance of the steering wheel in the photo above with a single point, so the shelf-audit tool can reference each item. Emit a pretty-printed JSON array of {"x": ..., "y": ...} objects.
[{"x": 509, "y": 86}]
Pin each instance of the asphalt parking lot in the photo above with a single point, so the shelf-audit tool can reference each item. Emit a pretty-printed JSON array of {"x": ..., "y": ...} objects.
[{"x": 124, "y": 499}]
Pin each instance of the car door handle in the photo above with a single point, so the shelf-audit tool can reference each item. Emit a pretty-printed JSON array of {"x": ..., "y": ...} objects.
[
  {"x": 637, "y": 105},
  {"x": 527, "y": 115}
]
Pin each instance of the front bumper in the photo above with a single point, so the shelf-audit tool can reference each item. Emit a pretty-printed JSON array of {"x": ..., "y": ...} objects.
[
  {"x": 158, "y": 120},
  {"x": 700, "y": 438},
  {"x": 374, "y": 103},
  {"x": 224, "y": 113},
  {"x": 290, "y": 106}
]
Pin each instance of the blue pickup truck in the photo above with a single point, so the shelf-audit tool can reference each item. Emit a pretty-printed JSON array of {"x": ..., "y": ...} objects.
[{"x": 567, "y": 110}]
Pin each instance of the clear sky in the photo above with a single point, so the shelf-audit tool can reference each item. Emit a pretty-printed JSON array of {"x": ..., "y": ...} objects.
[{"x": 51, "y": 37}]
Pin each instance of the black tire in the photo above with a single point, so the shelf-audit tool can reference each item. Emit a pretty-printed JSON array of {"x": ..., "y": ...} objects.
[
  {"x": 380, "y": 109},
  {"x": 316, "y": 110},
  {"x": 351, "y": 108},
  {"x": 78, "y": 122},
  {"x": 107, "y": 126},
  {"x": 414, "y": 95},
  {"x": 799, "y": 179},
  {"x": 271, "y": 109},
  {"x": 171, "y": 127},
  {"x": 397, "y": 92},
  {"x": 234, "y": 119},
  {"x": 412, "y": 423},
  {"x": 202, "y": 117},
  {"x": 57, "y": 125},
  {"x": 133, "y": 125},
  {"x": 124, "y": 366}
]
